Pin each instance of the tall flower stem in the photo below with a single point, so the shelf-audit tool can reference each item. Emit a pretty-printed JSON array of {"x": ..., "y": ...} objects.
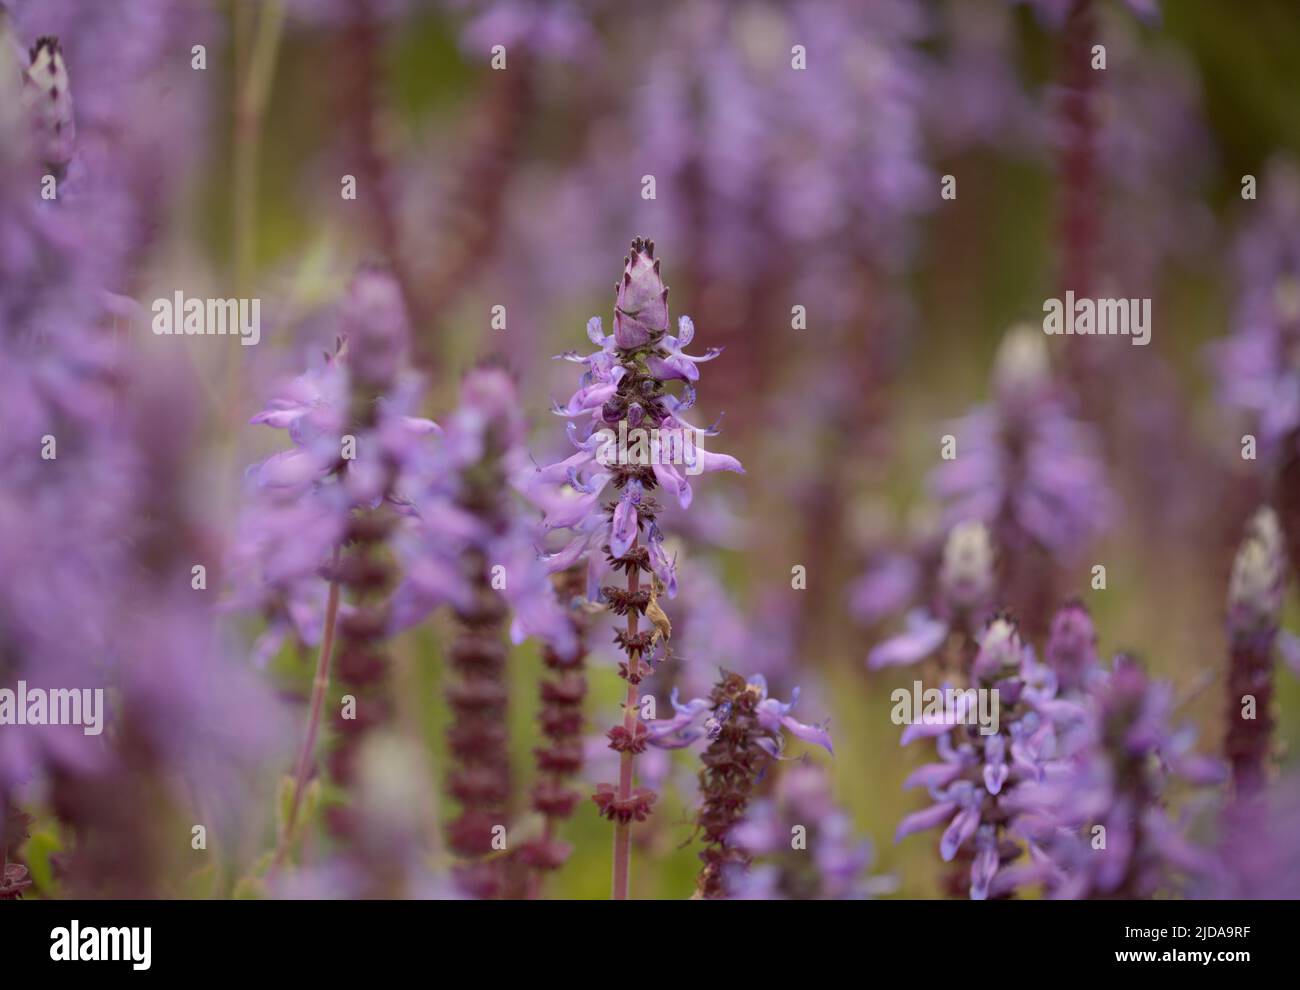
[
  {"x": 255, "y": 61},
  {"x": 318, "y": 688},
  {"x": 623, "y": 830}
]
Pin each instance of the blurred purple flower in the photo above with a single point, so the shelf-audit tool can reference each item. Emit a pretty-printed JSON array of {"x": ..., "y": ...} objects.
[
  {"x": 830, "y": 862},
  {"x": 965, "y": 586},
  {"x": 1099, "y": 826}
]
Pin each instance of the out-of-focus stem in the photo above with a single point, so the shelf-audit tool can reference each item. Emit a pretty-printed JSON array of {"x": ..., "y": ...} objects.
[
  {"x": 1079, "y": 192},
  {"x": 359, "y": 76},
  {"x": 254, "y": 69},
  {"x": 1248, "y": 741},
  {"x": 318, "y": 688},
  {"x": 256, "y": 66}
]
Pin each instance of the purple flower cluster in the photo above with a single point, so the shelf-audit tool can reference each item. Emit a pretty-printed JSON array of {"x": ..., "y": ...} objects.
[
  {"x": 354, "y": 444},
  {"x": 1100, "y": 826},
  {"x": 976, "y": 786},
  {"x": 1069, "y": 793}
]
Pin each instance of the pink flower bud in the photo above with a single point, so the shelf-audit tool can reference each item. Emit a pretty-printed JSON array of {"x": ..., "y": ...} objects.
[{"x": 641, "y": 304}]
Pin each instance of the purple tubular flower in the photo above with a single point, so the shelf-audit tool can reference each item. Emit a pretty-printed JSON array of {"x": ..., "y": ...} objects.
[
  {"x": 630, "y": 433},
  {"x": 102, "y": 520},
  {"x": 613, "y": 383},
  {"x": 679, "y": 364},
  {"x": 320, "y": 524},
  {"x": 772, "y": 716},
  {"x": 471, "y": 544},
  {"x": 302, "y": 500}
]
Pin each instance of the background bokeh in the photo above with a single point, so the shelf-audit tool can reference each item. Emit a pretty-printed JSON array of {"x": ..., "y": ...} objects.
[{"x": 773, "y": 189}]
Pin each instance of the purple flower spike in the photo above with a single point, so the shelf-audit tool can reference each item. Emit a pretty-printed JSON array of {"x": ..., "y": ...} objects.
[
  {"x": 631, "y": 438},
  {"x": 743, "y": 727}
]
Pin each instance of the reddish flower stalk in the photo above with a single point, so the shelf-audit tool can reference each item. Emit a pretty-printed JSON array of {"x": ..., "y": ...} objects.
[
  {"x": 359, "y": 77},
  {"x": 733, "y": 763},
  {"x": 1078, "y": 161},
  {"x": 365, "y": 571},
  {"x": 626, "y": 803},
  {"x": 470, "y": 212},
  {"x": 560, "y": 761},
  {"x": 478, "y": 735},
  {"x": 336, "y": 491},
  {"x": 1079, "y": 181}
]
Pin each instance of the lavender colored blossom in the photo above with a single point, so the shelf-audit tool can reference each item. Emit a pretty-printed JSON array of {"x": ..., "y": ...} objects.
[
  {"x": 1256, "y": 371},
  {"x": 698, "y": 718},
  {"x": 99, "y": 518},
  {"x": 976, "y": 786},
  {"x": 1099, "y": 826},
  {"x": 570, "y": 490},
  {"x": 625, "y": 389},
  {"x": 301, "y": 499},
  {"x": 1071, "y": 650},
  {"x": 473, "y": 547}
]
